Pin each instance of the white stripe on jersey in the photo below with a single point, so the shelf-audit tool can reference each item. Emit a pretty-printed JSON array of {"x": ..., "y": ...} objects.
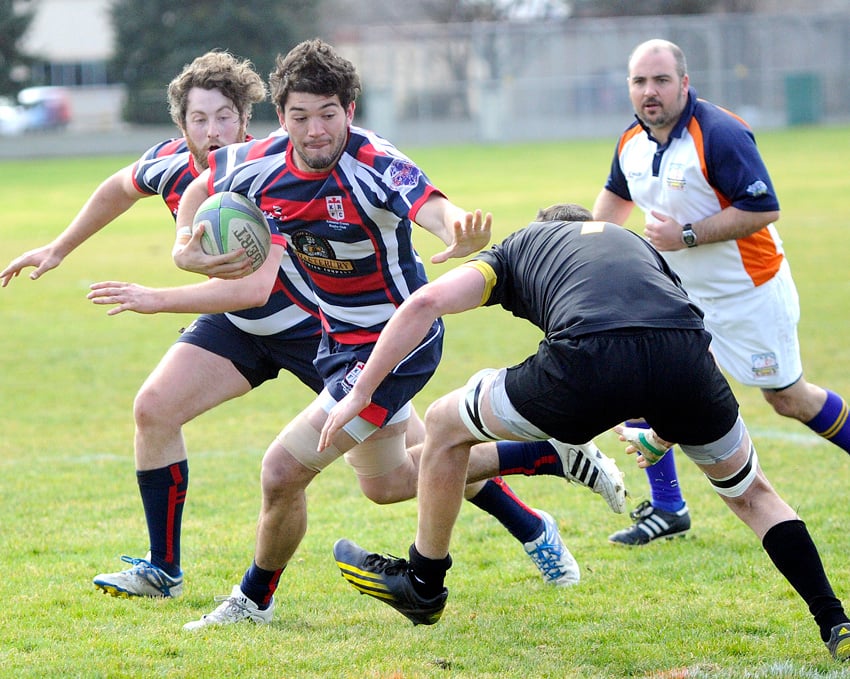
[
  {"x": 360, "y": 316},
  {"x": 281, "y": 321}
]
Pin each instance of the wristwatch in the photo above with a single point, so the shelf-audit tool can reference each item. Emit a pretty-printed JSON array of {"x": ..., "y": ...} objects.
[{"x": 689, "y": 238}]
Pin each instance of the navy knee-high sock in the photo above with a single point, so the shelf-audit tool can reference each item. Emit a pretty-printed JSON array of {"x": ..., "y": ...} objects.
[
  {"x": 832, "y": 422},
  {"x": 531, "y": 458},
  {"x": 497, "y": 498},
  {"x": 163, "y": 494}
]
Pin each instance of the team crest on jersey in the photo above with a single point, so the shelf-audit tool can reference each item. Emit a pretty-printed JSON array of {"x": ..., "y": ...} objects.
[
  {"x": 765, "y": 365},
  {"x": 317, "y": 254},
  {"x": 403, "y": 173},
  {"x": 335, "y": 208},
  {"x": 676, "y": 177}
]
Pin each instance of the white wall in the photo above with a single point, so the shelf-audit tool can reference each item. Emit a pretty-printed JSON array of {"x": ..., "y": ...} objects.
[{"x": 70, "y": 30}]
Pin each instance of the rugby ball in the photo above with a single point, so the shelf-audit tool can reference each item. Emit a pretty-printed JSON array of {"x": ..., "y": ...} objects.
[{"x": 232, "y": 221}]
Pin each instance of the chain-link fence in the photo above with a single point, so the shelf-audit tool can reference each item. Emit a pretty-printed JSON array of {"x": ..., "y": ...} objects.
[{"x": 504, "y": 82}]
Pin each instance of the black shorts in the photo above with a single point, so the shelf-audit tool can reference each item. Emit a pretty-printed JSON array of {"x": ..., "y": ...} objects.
[
  {"x": 257, "y": 357},
  {"x": 576, "y": 389}
]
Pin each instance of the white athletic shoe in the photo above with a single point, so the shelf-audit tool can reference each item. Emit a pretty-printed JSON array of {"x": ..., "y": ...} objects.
[
  {"x": 143, "y": 579},
  {"x": 588, "y": 466},
  {"x": 551, "y": 556},
  {"x": 234, "y": 608}
]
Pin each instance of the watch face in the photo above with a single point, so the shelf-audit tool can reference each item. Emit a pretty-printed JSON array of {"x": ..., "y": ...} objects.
[{"x": 689, "y": 237}]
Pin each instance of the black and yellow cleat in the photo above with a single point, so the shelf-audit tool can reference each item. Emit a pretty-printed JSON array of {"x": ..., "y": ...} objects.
[
  {"x": 387, "y": 578},
  {"x": 839, "y": 642}
]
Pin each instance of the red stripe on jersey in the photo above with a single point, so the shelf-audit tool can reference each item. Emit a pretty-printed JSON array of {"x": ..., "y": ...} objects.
[
  {"x": 343, "y": 285},
  {"x": 354, "y": 337}
]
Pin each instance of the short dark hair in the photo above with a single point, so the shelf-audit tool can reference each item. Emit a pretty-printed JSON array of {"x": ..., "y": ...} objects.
[
  {"x": 564, "y": 212},
  {"x": 313, "y": 67}
]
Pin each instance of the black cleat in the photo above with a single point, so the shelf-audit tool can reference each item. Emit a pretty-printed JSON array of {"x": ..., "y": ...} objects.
[
  {"x": 387, "y": 579},
  {"x": 839, "y": 642}
]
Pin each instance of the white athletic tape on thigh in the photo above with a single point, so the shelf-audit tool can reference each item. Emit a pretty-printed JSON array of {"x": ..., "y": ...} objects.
[
  {"x": 301, "y": 439},
  {"x": 376, "y": 457},
  {"x": 736, "y": 484},
  {"x": 469, "y": 407}
]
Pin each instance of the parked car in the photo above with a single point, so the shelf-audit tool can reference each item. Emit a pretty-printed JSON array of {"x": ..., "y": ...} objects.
[
  {"x": 36, "y": 108},
  {"x": 12, "y": 118}
]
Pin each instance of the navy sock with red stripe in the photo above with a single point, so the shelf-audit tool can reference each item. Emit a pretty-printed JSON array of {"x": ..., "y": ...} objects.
[
  {"x": 531, "y": 458},
  {"x": 259, "y": 585},
  {"x": 497, "y": 498},
  {"x": 163, "y": 494}
]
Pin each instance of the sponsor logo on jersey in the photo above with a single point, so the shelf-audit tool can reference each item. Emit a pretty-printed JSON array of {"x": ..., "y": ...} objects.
[
  {"x": 676, "y": 177},
  {"x": 317, "y": 254}
]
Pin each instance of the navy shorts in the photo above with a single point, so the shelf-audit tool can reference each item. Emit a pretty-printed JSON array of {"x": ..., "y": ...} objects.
[
  {"x": 340, "y": 364},
  {"x": 257, "y": 357},
  {"x": 575, "y": 389}
]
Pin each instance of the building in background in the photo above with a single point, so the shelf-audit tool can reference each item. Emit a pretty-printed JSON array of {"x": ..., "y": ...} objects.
[{"x": 786, "y": 62}]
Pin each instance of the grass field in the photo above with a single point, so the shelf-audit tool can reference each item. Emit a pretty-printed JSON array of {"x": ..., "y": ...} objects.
[{"x": 710, "y": 605}]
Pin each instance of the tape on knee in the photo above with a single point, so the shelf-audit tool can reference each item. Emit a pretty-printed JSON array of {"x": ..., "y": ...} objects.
[
  {"x": 301, "y": 439},
  {"x": 469, "y": 407},
  {"x": 736, "y": 484},
  {"x": 376, "y": 457}
]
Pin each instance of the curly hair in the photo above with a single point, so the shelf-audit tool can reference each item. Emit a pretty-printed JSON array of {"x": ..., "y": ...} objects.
[
  {"x": 217, "y": 70},
  {"x": 313, "y": 67}
]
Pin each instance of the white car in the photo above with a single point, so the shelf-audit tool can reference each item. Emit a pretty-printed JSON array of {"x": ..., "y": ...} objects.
[{"x": 36, "y": 108}]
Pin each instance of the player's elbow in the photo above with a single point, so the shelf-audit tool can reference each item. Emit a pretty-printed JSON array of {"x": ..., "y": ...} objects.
[{"x": 426, "y": 303}]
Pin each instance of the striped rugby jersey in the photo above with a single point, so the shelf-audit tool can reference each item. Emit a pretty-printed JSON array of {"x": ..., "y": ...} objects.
[
  {"x": 167, "y": 169},
  {"x": 350, "y": 228}
]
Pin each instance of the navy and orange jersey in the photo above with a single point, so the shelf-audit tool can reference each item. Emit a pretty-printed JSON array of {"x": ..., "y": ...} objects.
[
  {"x": 350, "y": 228},
  {"x": 167, "y": 169},
  {"x": 711, "y": 161}
]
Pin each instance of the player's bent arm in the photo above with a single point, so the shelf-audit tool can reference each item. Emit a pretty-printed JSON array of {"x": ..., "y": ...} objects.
[
  {"x": 465, "y": 233},
  {"x": 216, "y": 295},
  {"x": 454, "y": 292},
  {"x": 112, "y": 198},
  {"x": 187, "y": 253},
  {"x": 609, "y": 207},
  {"x": 731, "y": 224}
]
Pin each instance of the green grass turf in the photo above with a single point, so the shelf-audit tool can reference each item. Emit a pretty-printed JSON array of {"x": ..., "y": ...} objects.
[{"x": 710, "y": 605}]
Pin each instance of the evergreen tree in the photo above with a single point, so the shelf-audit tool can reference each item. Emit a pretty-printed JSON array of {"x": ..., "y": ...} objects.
[
  {"x": 156, "y": 38},
  {"x": 15, "y": 20}
]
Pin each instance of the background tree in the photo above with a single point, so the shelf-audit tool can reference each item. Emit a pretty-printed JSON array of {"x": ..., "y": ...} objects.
[
  {"x": 156, "y": 38},
  {"x": 15, "y": 20}
]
